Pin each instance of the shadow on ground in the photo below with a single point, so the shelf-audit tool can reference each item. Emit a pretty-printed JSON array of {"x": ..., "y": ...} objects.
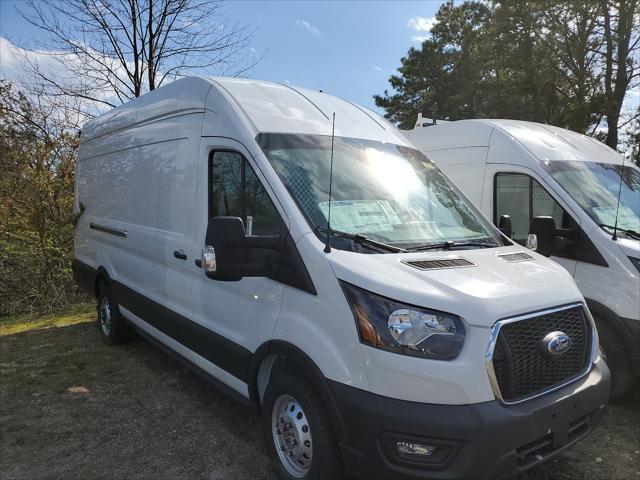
[{"x": 133, "y": 412}]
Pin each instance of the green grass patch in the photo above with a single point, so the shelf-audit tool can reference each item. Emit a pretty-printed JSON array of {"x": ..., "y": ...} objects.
[{"x": 13, "y": 324}]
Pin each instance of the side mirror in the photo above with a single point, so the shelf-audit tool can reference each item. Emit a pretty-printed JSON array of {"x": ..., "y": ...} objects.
[
  {"x": 544, "y": 228},
  {"x": 504, "y": 225},
  {"x": 226, "y": 254}
]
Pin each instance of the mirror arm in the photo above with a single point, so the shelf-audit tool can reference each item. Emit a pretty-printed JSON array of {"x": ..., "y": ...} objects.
[{"x": 269, "y": 242}]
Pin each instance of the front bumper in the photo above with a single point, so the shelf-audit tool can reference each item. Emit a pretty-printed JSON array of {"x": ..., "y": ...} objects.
[{"x": 483, "y": 440}]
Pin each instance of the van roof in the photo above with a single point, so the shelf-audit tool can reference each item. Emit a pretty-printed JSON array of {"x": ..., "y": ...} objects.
[
  {"x": 544, "y": 142},
  {"x": 265, "y": 106}
]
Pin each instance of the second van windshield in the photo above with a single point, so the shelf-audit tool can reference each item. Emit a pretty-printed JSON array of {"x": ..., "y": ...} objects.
[{"x": 384, "y": 192}]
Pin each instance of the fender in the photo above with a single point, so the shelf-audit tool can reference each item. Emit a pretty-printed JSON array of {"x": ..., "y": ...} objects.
[
  {"x": 285, "y": 350},
  {"x": 602, "y": 311}
]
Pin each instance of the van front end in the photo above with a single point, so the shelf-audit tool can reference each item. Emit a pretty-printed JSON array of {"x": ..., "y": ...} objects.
[
  {"x": 390, "y": 438},
  {"x": 474, "y": 371}
]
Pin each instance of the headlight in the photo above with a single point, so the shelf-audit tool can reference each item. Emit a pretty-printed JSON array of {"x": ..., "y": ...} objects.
[
  {"x": 402, "y": 328},
  {"x": 636, "y": 262}
]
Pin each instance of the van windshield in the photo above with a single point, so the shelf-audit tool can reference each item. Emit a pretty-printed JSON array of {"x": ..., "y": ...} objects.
[
  {"x": 595, "y": 187},
  {"x": 386, "y": 193}
]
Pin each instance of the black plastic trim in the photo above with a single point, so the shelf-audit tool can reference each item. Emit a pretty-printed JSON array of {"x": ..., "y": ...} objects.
[
  {"x": 488, "y": 434},
  {"x": 113, "y": 231},
  {"x": 84, "y": 275},
  {"x": 217, "y": 349},
  {"x": 196, "y": 369}
]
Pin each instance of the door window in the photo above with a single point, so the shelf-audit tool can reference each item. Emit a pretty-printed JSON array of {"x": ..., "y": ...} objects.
[
  {"x": 236, "y": 191},
  {"x": 523, "y": 198}
]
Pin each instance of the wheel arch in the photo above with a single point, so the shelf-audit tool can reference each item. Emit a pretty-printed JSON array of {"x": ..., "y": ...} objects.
[
  {"x": 600, "y": 310},
  {"x": 268, "y": 354}
]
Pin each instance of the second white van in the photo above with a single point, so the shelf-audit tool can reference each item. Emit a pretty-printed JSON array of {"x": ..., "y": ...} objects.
[
  {"x": 580, "y": 199},
  {"x": 329, "y": 274}
]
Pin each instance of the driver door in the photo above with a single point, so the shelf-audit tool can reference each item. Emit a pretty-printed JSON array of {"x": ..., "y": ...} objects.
[{"x": 243, "y": 313}]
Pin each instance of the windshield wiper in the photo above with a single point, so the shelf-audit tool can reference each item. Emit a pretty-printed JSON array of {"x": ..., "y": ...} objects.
[
  {"x": 631, "y": 233},
  {"x": 362, "y": 240},
  {"x": 449, "y": 244}
]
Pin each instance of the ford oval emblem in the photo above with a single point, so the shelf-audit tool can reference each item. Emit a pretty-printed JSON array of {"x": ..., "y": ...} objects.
[{"x": 556, "y": 343}]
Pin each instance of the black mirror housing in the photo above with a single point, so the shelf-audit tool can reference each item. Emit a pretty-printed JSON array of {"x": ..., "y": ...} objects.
[
  {"x": 545, "y": 229},
  {"x": 232, "y": 246},
  {"x": 504, "y": 225}
]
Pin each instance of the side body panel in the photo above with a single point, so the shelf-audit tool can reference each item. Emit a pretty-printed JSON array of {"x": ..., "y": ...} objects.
[{"x": 141, "y": 183}]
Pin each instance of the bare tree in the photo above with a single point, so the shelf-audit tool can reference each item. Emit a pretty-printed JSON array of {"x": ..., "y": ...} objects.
[
  {"x": 621, "y": 29},
  {"x": 111, "y": 51}
]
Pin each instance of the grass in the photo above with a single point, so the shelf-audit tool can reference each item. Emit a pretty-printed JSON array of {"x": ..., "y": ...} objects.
[
  {"x": 72, "y": 407},
  {"x": 12, "y": 324}
]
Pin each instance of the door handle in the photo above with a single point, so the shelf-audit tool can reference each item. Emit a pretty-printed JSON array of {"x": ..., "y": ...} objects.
[
  {"x": 198, "y": 262},
  {"x": 180, "y": 254}
]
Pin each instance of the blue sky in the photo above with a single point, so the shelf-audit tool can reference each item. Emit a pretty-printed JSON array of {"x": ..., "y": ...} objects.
[{"x": 347, "y": 49}]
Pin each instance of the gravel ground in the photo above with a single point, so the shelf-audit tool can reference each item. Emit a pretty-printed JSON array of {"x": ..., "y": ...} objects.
[{"x": 74, "y": 408}]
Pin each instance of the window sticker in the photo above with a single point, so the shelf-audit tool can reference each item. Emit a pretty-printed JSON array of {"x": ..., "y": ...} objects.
[
  {"x": 607, "y": 215},
  {"x": 361, "y": 216}
]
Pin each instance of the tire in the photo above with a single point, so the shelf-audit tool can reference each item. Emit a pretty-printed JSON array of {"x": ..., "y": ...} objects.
[
  {"x": 305, "y": 421},
  {"x": 112, "y": 326},
  {"x": 616, "y": 356}
]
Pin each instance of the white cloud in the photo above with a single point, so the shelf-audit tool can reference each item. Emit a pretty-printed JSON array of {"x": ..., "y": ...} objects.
[
  {"x": 312, "y": 29},
  {"x": 377, "y": 68},
  {"x": 419, "y": 38},
  {"x": 422, "y": 24}
]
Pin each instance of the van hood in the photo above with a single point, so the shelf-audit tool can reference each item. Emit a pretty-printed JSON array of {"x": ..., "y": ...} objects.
[{"x": 490, "y": 289}]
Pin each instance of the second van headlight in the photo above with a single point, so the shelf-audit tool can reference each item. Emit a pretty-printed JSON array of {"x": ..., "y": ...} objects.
[{"x": 394, "y": 326}]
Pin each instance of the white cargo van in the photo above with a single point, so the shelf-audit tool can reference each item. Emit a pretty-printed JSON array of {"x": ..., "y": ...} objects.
[
  {"x": 420, "y": 342},
  {"x": 563, "y": 187}
]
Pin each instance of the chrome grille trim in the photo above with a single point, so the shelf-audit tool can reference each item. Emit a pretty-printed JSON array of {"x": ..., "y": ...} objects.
[{"x": 495, "y": 330}]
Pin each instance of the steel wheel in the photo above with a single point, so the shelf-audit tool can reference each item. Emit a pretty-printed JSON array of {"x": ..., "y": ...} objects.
[
  {"x": 291, "y": 436},
  {"x": 104, "y": 313}
]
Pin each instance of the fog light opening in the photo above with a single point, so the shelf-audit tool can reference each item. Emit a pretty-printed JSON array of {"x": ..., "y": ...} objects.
[{"x": 414, "y": 449}]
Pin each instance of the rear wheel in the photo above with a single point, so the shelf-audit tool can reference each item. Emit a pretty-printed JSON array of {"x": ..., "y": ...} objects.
[
  {"x": 616, "y": 356},
  {"x": 112, "y": 326},
  {"x": 297, "y": 429}
]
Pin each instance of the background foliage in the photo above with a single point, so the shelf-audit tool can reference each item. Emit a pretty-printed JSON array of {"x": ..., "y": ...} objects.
[
  {"x": 567, "y": 63},
  {"x": 36, "y": 197}
]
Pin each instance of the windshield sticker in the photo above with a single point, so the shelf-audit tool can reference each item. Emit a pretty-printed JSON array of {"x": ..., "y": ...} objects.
[
  {"x": 626, "y": 217},
  {"x": 361, "y": 216}
]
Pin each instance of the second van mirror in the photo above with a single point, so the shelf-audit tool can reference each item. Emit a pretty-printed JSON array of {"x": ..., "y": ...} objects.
[
  {"x": 544, "y": 228},
  {"x": 504, "y": 225},
  {"x": 226, "y": 254}
]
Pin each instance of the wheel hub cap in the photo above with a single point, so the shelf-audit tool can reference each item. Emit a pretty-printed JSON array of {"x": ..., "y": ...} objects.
[
  {"x": 292, "y": 436},
  {"x": 105, "y": 316}
]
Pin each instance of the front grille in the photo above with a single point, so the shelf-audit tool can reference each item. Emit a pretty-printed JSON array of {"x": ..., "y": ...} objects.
[
  {"x": 524, "y": 369},
  {"x": 439, "y": 264}
]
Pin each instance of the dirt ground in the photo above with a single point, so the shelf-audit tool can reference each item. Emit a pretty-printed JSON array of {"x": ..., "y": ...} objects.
[{"x": 74, "y": 408}]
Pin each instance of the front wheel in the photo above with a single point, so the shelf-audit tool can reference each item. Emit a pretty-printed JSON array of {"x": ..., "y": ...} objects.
[{"x": 297, "y": 429}]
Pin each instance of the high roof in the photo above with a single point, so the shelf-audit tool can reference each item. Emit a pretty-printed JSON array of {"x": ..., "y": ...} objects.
[
  {"x": 547, "y": 142},
  {"x": 265, "y": 106},
  {"x": 544, "y": 142}
]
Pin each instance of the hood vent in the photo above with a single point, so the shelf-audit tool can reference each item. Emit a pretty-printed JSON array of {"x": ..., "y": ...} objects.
[
  {"x": 439, "y": 264},
  {"x": 516, "y": 257}
]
